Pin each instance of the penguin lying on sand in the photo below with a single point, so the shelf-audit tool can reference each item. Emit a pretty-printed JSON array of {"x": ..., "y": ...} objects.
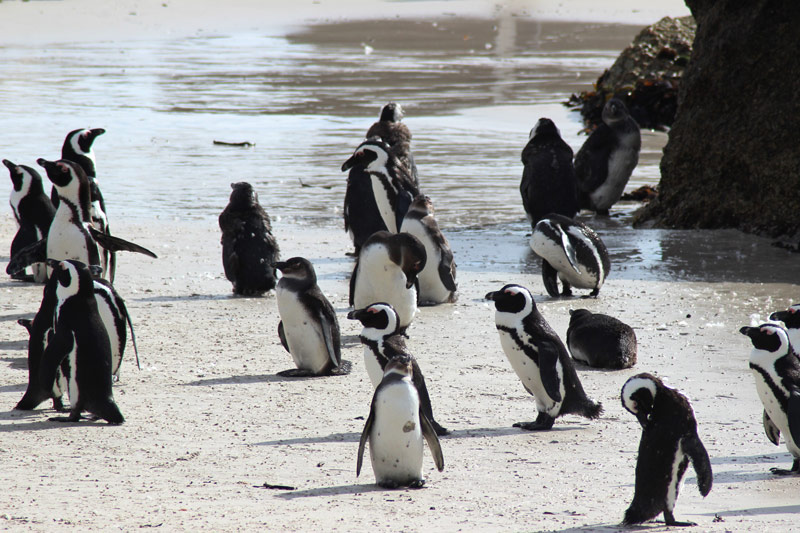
[{"x": 600, "y": 341}]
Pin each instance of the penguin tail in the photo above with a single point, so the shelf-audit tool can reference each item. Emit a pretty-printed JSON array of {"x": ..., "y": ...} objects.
[
  {"x": 635, "y": 516},
  {"x": 592, "y": 410},
  {"x": 109, "y": 412}
]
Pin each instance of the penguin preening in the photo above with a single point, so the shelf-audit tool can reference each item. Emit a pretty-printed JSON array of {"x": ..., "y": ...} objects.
[
  {"x": 600, "y": 340},
  {"x": 396, "y": 134},
  {"x": 249, "y": 250},
  {"x": 548, "y": 182},
  {"x": 539, "y": 359},
  {"x": 669, "y": 441}
]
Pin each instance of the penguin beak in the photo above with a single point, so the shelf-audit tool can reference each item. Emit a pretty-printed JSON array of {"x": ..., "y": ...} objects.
[
  {"x": 749, "y": 331},
  {"x": 642, "y": 418},
  {"x": 355, "y": 314},
  {"x": 280, "y": 265},
  {"x": 53, "y": 263},
  {"x": 96, "y": 132},
  {"x": 491, "y": 295},
  {"x": 347, "y": 165},
  {"x": 9, "y": 165},
  {"x": 96, "y": 271},
  {"x": 779, "y": 315}
]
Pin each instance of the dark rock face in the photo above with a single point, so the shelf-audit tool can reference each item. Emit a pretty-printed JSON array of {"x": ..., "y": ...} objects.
[{"x": 733, "y": 155}]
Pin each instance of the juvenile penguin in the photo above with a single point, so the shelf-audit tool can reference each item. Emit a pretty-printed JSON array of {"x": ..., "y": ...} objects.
[
  {"x": 361, "y": 215},
  {"x": 606, "y": 160},
  {"x": 548, "y": 178},
  {"x": 395, "y": 428},
  {"x": 600, "y": 341},
  {"x": 572, "y": 252},
  {"x": 397, "y": 135},
  {"x": 383, "y": 341},
  {"x": 791, "y": 319},
  {"x": 669, "y": 441},
  {"x": 539, "y": 358},
  {"x": 308, "y": 329},
  {"x": 79, "y": 338},
  {"x": 249, "y": 250},
  {"x": 386, "y": 271},
  {"x": 437, "y": 281},
  {"x": 33, "y": 212},
  {"x": 776, "y": 369}
]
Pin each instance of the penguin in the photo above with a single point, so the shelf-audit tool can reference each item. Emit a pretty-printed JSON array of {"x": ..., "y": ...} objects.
[
  {"x": 393, "y": 191},
  {"x": 33, "y": 212},
  {"x": 791, "y": 320},
  {"x": 382, "y": 341},
  {"x": 80, "y": 340},
  {"x": 600, "y": 341},
  {"x": 776, "y": 369},
  {"x": 308, "y": 328},
  {"x": 669, "y": 441},
  {"x": 397, "y": 135},
  {"x": 361, "y": 215},
  {"x": 539, "y": 358},
  {"x": 548, "y": 182},
  {"x": 395, "y": 428},
  {"x": 572, "y": 252},
  {"x": 606, "y": 160},
  {"x": 437, "y": 281},
  {"x": 249, "y": 250},
  {"x": 386, "y": 271}
]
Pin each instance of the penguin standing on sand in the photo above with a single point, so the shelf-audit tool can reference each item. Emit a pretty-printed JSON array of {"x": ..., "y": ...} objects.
[
  {"x": 548, "y": 179},
  {"x": 383, "y": 341},
  {"x": 32, "y": 210},
  {"x": 308, "y": 329},
  {"x": 79, "y": 338},
  {"x": 395, "y": 428},
  {"x": 669, "y": 441},
  {"x": 397, "y": 135},
  {"x": 600, "y": 341},
  {"x": 539, "y": 358},
  {"x": 572, "y": 252},
  {"x": 361, "y": 215},
  {"x": 776, "y": 369},
  {"x": 249, "y": 250},
  {"x": 606, "y": 160},
  {"x": 437, "y": 281},
  {"x": 386, "y": 271}
]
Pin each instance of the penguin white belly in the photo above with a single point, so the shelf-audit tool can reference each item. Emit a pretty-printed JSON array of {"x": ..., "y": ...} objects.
[
  {"x": 303, "y": 333},
  {"x": 675, "y": 480},
  {"x": 374, "y": 370},
  {"x": 431, "y": 288},
  {"x": 381, "y": 280},
  {"x": 66, "y": 240},
  {"x": 395, "y": 441},
  {"x": 528, "y": 373},
  {"x": 554, "y": 253},
  {"x": 109, "y": 317},
  {"x": 72, "y": 384},
  {"x": 774, "y": 410},
  {"x": 620, "y": 166},
  {"x": 382, "y": 200}
]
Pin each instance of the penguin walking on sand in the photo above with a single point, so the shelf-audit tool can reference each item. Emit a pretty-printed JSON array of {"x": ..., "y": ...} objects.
[
  {"x": 437, "y": 281},
  {"x": 395, "y": 429},
  {"x": 669, "y": 441},
  {"x": 600, "y": 341},
  {"x": 606, "y": 160},
  {"x": 383, "y": 341},
  {"x": 776, "y": 369},
  {"x": 33, "y": 212},
  {"x": 572, "y": 252},
  {"x": 249, "y": 250},
  {"x": 308, "y": 328},
  {"x": 397, "y": 135},
  {"x": 548, "y": 182},
  {"x": 386, "y": 271},
  {"x": 539, "y": 358},
  {"x": 80, "y": 340}
]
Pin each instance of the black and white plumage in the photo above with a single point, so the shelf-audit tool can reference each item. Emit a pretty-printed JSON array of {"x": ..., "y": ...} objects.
[
  {"x": 548, "y": 182},
  {"x": 249, "y": 250},
  {"x": 776, "y": 369},
  {"x": 386, "y": 271},
  {"x": 361, "y": 215},
  {"x": 539, "y": 358},
  {"x": 33, "y": 212},
  {"x": 309, "y": 329},
  {"x": 606, "y": 160},
  {"x": 437, "y": 281},
  {"x": 395, "y": 428},
  {"x": 600, "y": 340},
  {"x": 397, "y": 135},
  {"x": 572, "y": 252},
  {"x": 383, "y": 340},
  {"x": 791, "y": 320},
  {"x": 669, "y": 441}
]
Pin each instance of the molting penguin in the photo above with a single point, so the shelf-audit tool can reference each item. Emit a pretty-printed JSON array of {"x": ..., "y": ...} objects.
[
  {"x": 548, "y": 179},
  {"x": 32, "y": 210},
  {"x": 397, "y": 135},
  {"x": 776, "y": 370},
  {"x": 606, "y": 160},
  {"x": 383, "y": 341},
  {"x": 249, "y": 250},
  {"x": 539, "y": 358},
  {"x": 572, "y": 252},
  {"x": 80, "y": 340},
  {"x": 437, "y": 281},
  {"x": 386, "y": 271},
  {"x": 669, "y": 441},
  {"x": 308, "y": 329},
  {"x": 600, "y": 341},
  {"x": 791, "y": 319},
  {"x": 395, "y": 428}
]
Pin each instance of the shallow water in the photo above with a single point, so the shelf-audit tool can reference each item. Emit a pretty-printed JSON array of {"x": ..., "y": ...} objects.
[{"x": 471, "y": 89}]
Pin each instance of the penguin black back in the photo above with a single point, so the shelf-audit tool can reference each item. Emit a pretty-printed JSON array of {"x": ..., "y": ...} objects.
[{"x": 600, "y": 340}]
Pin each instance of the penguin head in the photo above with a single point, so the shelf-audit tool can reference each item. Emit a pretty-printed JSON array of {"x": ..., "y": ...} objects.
[
  {"x": 298, "y": 268},
  {"x": 790, "y": 317},
  {"x": 80, "y": 141},
  {"x": 544, "y": 128},
  {"x": 639, "y": 394},
  {"x": 391, "y": 112},
  {"x": 514, "y": 299},
  {"x": 767, "y": 338},
  {"x": 72, "y": 277},
  {"x": 614, "y": 111},
  {"x": 412, "y": 256},
  {"x": 576, "y": 315},
  {"x": 243, "y": 195},
  {"x": 399, "y": 364},
  {"x": 422, "y": 205},
  {"x": 379, "y": 320},
  {"x": 24, "y": 179},
  {"x": 371, "y": 154}
]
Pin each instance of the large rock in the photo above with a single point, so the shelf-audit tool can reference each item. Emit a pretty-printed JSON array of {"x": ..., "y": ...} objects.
[{"x": 733, "y": 154}]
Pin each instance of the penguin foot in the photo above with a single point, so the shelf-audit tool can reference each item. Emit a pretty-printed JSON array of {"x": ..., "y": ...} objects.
[
  {"x": 343, "y": 369},
  {"x": 297, "y": 373},
  {"x": 592, "y": 294},
  {"x": 389, "y": 484},
  {"x": 417, "y": 484},
  {"x": 71, "y": 418},
  {"x": 669, "y": 520},
  {"x": 58, "y": 406},
  {"x": 543, "y": 422},
  {"x": 21, "y": 276},
  {"x": 440, "y": 431},
  {"x": 784, "y": 472}
]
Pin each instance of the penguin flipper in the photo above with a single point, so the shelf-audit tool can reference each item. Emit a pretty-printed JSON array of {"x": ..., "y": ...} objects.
[
  {"x": 550, "y": 278},
  {"x": 33, "y": 253},
  {"x": 591, "y": 161},
  {"x": 569, "y": 250},
  {"x": 447, "y": 270},
  {"x": 693, "y": 447},
  {"x": 424, "y": 398},
  {"x": 124, "y": 309},
  {"x": 58, "y": 346},
  {"x": 548, "y": 357},
  {"x": 115, "y": 244},
  {"x": 433, "y": 441},
  {"x": 793, "y": 413},
  {"x": 327, "y": 326},
  {"x": 365, "y": 436},
  {"x": 353, "y": 277},
  {"x": 772, "y": 431},
  {"x": 282, "y": 336},
  {"x": 404, "y": 199}
]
